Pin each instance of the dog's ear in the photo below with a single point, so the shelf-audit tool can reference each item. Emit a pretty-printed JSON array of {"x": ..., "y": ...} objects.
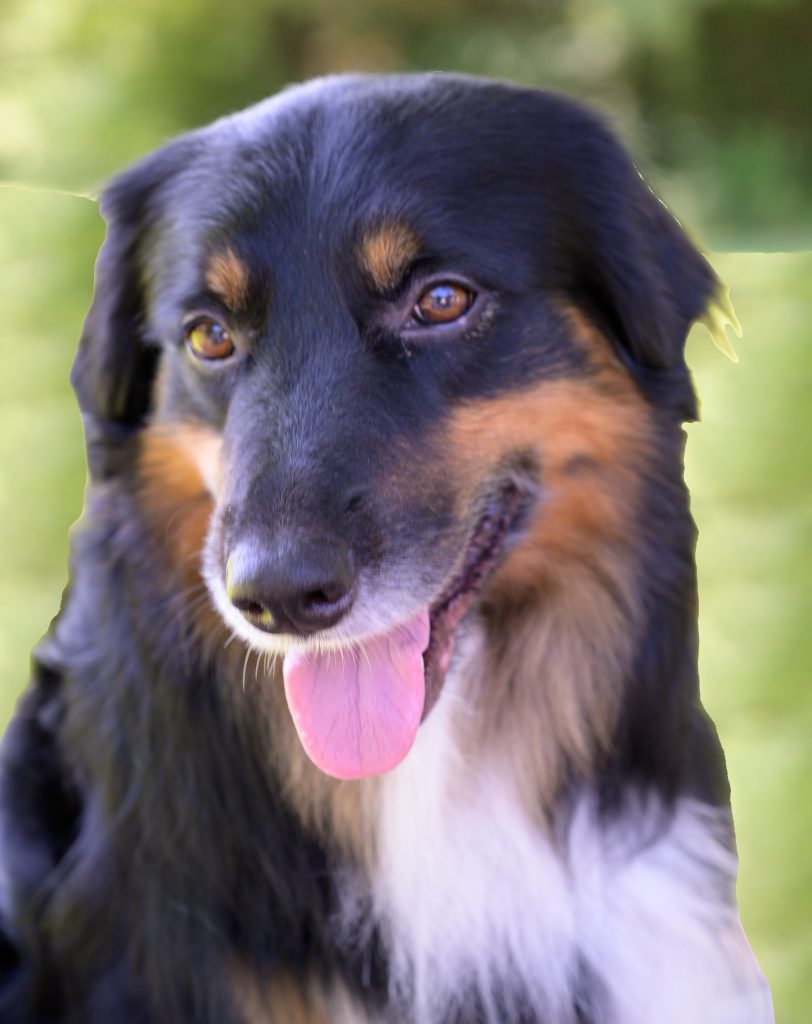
[
  {"x": 637, "y": 269},
  {"x": 115, "y": 365}
]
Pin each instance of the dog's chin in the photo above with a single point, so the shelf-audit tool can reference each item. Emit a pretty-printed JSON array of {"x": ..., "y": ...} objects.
[{"x": 358, "y": 700}]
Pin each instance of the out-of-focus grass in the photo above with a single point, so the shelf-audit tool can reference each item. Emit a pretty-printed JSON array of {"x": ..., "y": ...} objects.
[
  {"x": 47, "y": 249},
  {"x": 748, "y": 466}
]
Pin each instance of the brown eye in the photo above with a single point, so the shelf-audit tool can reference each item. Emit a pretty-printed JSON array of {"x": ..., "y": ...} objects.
[
  {"x": 443, "y": 303},
  {"x": 209, "y": 340}
]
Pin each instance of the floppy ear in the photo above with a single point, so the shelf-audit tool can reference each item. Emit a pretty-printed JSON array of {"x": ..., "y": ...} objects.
[
  {"x": 638, "y": 270},
  {"x": 115, "y": 365}
]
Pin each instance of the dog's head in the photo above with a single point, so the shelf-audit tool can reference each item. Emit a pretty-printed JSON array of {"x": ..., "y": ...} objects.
[{"x": 418, "y": 341}]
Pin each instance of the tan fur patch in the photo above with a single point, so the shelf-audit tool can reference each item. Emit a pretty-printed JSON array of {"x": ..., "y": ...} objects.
[
  {"x": 179, "y": 476},
  {"x": 562, "y": 610},
  {"x": 280, "y": 1001},
  {"x": 227, "y": 276},
  {"x": 386, "y": 252}
]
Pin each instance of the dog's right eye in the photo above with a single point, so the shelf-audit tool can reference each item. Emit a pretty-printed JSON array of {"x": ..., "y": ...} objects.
[
  {"x": 442, "y": 303},
  {"x": 206, "y": 339}
]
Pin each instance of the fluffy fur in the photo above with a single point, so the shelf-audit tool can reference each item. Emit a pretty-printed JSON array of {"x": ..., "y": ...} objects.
[{"x": 557, "y": 847}]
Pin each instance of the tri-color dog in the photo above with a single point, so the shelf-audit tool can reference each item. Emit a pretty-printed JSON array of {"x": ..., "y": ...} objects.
[{"x": 373, "y": 698}]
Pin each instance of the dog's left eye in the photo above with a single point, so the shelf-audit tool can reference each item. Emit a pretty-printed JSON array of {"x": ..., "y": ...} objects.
[
  {"x": 443, "y": 303},
  {"x": 207, "y": 339}
]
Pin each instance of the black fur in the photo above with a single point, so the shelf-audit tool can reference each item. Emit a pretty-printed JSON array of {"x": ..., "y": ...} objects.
[{"x": 145, "y": 841}]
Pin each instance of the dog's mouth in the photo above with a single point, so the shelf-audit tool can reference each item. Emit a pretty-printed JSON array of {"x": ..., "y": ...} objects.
[
  {"x": 500, "y": 518},
  {"x": 357, "y": 712}
]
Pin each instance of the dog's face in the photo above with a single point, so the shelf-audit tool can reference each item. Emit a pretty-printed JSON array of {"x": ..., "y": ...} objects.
[{"x": 418, "y": 339}]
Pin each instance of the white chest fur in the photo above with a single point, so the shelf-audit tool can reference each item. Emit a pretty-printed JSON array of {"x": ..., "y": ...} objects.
[{"x": 476, "y": 897}]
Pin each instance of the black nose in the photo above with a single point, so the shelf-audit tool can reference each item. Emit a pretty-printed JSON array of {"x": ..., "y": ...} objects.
[{"x": 297, "y": 584}]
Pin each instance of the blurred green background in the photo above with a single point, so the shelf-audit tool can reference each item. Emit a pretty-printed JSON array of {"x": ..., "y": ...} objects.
[{"x": 715, "y": 99}]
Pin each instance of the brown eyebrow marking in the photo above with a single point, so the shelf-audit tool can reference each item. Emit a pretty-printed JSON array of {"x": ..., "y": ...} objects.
[
  {"x": 386, "y": 251},
  {"x": 227, "y": 275}
]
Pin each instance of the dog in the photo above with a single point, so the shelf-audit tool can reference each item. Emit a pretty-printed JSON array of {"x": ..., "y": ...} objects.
[{"x": 373, "y": 698}]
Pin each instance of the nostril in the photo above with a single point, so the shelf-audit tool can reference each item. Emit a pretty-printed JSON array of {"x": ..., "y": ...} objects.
[
  {"x": 300, "y": 584},
  {"x": 247, "y": 606},
  {"x": 257, "y": 613},
  {"x": 328, "y": 599}
]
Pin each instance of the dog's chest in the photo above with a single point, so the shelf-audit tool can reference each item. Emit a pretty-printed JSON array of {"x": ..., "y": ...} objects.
[
  {"x": 487, "y": 919},
  {"x": 472, "y": 895}
]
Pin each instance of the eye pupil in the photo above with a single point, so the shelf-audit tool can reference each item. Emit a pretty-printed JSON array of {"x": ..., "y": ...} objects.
[
  {"x": 442, "y": 298},
  {"x": 208, "y": 339},
  {"x": 443, "y": 303}
]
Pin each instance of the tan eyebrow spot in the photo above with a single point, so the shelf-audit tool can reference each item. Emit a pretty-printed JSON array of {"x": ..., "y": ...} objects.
[
  {"x": 228, "y": 277},
  {"x": 386, "y": 251}
]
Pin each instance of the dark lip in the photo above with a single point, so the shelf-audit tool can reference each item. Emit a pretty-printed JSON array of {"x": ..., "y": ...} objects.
[{"x": 504, "y": 511}]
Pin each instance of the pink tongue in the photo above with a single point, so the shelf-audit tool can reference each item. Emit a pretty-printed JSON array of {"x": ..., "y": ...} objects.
[{"x": 357, "y": 712}]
